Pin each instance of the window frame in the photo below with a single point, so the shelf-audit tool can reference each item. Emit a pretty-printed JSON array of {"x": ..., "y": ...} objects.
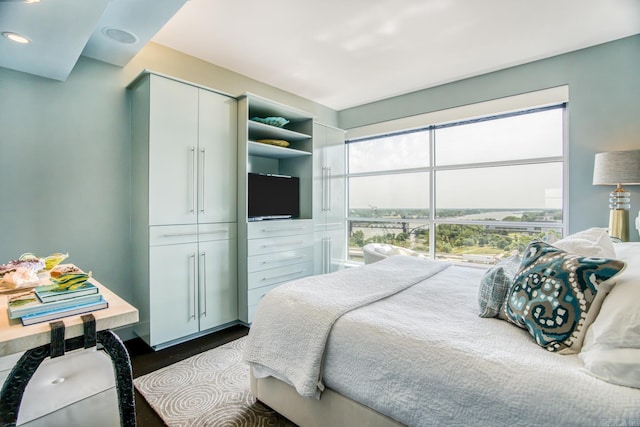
[{"x": 432, "y": 222}]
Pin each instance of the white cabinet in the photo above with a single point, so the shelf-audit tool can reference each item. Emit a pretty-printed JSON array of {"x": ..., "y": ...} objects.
[
  {"x": 329, "y": 198},
  {"x": 191, "y": 151},
  {"x": 277, "y": 252},
  {"x": 272, "y": 252},
  {"x": 184, "y": 209},
  {"x": 193, "y": 279}
]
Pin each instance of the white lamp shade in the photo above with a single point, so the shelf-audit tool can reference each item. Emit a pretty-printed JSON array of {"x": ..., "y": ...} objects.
[{"x": 617, "y": 167}]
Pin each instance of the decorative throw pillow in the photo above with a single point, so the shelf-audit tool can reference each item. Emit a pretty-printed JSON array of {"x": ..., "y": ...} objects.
[
  {"x": 495, "y": 284},
  {"x": 555, "y": 294}
]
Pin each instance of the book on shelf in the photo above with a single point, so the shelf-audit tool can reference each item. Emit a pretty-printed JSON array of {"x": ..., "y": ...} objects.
[
  {"x": 29, "y": 303},
  {"x": 50, "y": 293},
  {"x": 54, "y": 314}
]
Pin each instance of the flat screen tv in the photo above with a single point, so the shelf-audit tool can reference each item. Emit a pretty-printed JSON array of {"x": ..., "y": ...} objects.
[{"x": 273, "y": 196}]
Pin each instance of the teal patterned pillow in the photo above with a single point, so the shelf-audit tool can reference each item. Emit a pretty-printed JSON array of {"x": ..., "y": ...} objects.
[
  {"x": 555, "y": 295},
  {"x": 495, "y": 284}
]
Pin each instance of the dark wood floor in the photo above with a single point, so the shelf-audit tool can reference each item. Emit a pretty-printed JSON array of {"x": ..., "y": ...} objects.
[{"x": 145, "y": 360}]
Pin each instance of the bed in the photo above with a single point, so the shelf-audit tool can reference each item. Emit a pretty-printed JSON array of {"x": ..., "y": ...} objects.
[{"x": 401, "y": 342}]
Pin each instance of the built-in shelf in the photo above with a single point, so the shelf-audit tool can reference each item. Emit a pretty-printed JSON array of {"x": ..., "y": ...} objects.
[
  {"x": 273, "y": 151},
  {"x": 259, "y": 130}
]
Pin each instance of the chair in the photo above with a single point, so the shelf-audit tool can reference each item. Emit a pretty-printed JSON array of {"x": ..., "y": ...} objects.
[{"x": 374, "y": 252}]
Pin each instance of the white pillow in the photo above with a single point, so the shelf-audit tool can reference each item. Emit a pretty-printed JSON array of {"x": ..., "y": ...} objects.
[
  {"x": 615, "y": 365},
  {"x": 594, "y": 242},
  {"x": 611, "y": 348},
  {"x": 618, "y": 323}
]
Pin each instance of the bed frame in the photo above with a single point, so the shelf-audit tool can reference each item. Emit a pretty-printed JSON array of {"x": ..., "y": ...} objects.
[{"x": 331, "y": 409}]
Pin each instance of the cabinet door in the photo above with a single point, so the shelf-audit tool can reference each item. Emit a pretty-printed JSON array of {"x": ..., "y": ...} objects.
[
  {"x": 319, "y": 173},
  {"x": 173, "y": 140},
  {"x": 336, "y": 242},
  {"x": 218, "y": 285},
  {"x": 330, "y": 249},
  {"x": 217, "y": 157},
  {"x": 173, "y": 292},
  {"x": 335, "y": 164}
]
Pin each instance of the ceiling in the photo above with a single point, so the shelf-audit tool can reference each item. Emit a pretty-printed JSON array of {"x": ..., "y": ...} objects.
[
  {"x": 339, "y": 53},
  {"x": 62, "y": 30}
]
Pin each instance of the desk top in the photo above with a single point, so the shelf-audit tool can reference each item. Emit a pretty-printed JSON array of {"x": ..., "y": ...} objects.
[{"x": 15, "y": 338}]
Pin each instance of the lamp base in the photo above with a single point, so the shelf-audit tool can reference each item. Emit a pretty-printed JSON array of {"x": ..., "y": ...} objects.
[{"x": 619, "y": 224}]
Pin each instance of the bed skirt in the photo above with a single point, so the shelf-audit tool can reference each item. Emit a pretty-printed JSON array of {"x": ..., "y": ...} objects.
[{"x": 332, "y": 409}]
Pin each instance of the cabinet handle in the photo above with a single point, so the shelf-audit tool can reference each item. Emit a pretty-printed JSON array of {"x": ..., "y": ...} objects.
[
  {"x": 179, "y": 234},
  {"x": 203, "y": 175},
  {"x": 282, "y": 275},
  {"x": 324, "y": 188},
  {"x": 192, "y": 190},
  {"x": 192, "y": 315},
  {"x": 269, "y": 261},
  {"x": 214, "y": 232},
  {"x": 203, "y": 256},
  {"x": 328, "y": 189},
  {"x": 327, "y": 255},
  {"x": 283, "y": 243},
  {"x": 268, "y": 230}
]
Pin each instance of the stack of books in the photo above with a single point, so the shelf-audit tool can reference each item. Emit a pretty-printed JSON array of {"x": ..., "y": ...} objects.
[{"x": 51, "y": 302}]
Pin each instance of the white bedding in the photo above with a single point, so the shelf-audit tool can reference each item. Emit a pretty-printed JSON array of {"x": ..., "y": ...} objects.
[
  {"x": 292, "y": 323},
  {"x": 423, "y": 357}
]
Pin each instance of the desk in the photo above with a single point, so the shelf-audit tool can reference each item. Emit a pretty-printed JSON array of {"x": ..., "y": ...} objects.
[{"x": 36, "y": 341}]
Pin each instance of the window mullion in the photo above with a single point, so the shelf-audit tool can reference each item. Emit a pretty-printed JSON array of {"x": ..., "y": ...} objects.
[{"x": 432, "y": 194}]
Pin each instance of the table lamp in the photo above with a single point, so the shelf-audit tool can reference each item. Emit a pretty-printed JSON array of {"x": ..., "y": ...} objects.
[{"x": 618, "y": 168}]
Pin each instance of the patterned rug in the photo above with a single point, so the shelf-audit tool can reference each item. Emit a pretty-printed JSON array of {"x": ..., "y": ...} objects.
[{"x": 209, "y": 389}]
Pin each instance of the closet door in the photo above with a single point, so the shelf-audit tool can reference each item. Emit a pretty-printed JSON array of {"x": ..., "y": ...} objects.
[
  {"x": 218, "y": 287},
  {"x": 217, "y": 158},
  {"x": 173, "y": 151},
  {"x": 173, "y": 303},
  {"x": 320, "y": 173},
  {"x": 335, "y": 164}
]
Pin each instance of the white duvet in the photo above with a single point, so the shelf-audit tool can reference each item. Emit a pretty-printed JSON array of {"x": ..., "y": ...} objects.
[{"x": 423, "y": 357}]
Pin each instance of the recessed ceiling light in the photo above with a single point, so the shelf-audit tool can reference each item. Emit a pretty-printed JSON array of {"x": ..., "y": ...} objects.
[
  {"x": 19, "y": 1},
  {"x": 121, "y": 36},
  {"x": 14, "y": 37}
]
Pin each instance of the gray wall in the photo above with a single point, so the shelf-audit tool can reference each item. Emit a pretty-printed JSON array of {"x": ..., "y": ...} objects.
[
  {"x": 603, "y": 113},
  {"x": 65, "y": 158}
]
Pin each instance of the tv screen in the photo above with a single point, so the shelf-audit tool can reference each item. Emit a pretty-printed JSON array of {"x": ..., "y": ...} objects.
[{"x": 273, "y": 196}]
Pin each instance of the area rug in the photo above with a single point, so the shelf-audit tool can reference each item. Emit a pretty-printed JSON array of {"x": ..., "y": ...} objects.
[{"x": 209, "y": 389}]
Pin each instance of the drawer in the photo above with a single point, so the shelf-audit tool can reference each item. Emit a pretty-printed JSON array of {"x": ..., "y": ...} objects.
[
  {"x": 278, "y": 244},
  {"x": 279, "y": 275},
  {"x": 262, "y": 229},
  {"x": 217, "y": 231},
  {"x": 172, "y": 234},
  {"x": 279, "y": 259},
  {"x": 255, "y": 295}
]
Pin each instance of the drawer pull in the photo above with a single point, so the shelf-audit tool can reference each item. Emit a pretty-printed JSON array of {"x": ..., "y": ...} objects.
[
  {"x": 214, "y": 232},
  {"x": 179, "y": 234},
  {"x": 268, "y": 230},
  {"x": 282, "y": 275},
  {"x": 269, "y": 261},
  {"x": 283, "y": 243}
]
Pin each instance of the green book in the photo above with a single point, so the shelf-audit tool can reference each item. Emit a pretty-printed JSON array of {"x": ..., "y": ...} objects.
[
  {"x": 28, "y": 303},
  {"x": 51, "y": 293}
]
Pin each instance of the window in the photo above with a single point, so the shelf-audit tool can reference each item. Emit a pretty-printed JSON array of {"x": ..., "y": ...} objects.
[{"x": 470, "y": 191}]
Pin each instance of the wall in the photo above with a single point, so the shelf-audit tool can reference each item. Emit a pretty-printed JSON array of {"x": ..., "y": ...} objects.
[
  {"x": 65, "y": 157},
  {"x": 603, "y": 114}
]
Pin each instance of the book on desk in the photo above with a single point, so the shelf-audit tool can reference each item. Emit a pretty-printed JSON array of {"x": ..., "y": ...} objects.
[{"x": 43, "y": 304}]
